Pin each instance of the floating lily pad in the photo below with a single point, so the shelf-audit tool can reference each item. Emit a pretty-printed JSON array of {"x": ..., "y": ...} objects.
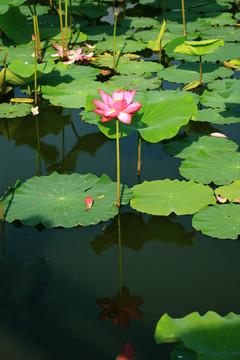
[
  {"x": 221, "y": 117},
  {"x": 59, "y": 200},
  {"x": 228, "y": 99},
  {"x": 139, "y": 67},
  {"x": 122, "y": 45},
  {"x": 188, "y": 72},
  {"x": 211, "y": 336},
  {"x": 221, "y": 167},
  {"x": 72, "y": 95},
  {"x": 106, "y": 60},
  {"x": 192, "y": 145},
  {"x": 230, "y": 192},
  {"x": 138, "y": 22},
  {"x": 132, "y": 82},
  {"x": 220, "y": 221},
  {"x": 12, "y": 111},
  {"x": 162, "y": 197}
]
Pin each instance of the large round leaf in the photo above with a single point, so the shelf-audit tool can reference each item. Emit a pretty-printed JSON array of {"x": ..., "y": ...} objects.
[
  {"x": 213, "y": 337},
  {"x": 163, "y": 120},
  {"x": 221, "y": 167},
  {"x": 220, "y": 221},
  {"x": 219, "y": 116},
  {"x": 59, "y": 200},
  {"x": 199, "y": 47},
  {"x": 162, "y": 197},
  {"x": 16, "y": 110},
  {"x": 192, "y": 145}
]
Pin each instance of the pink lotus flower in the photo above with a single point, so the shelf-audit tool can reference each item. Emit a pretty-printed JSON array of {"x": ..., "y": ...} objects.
[
  {"x": 120, "y": 106},
  {"x": 73, "y": 55}
]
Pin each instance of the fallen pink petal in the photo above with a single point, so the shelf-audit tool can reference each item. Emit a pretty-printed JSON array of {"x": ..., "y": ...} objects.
[
  {"x": 120, "y": 105},
  {"x": 89, "y": 202},
  {"x": 218, "y": 134},
  {"x": 35, "y": 110}
]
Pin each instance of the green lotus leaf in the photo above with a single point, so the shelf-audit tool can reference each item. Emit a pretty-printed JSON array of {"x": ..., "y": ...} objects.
[
  {"x": 40, "y": 10},
  {"x": 106, "y": 60},
  {"x": 139, "y": 67},
  {"x": 122, "y": 45},
  {"x": 146, "y": 232},
  {"x": 228, "y": 52},
  {"x": 230, "y": 192},
  {"x": 163, "y": 120},
  {"x": 138, "y": 22},
  {"x": 227, "y": 33},
  {"x": 192, "y": 145},
  {"x": 59, "y": 200},
  {"x": 131, "y": 82},
  {"x": 219, "y": 116},
  {"x": 188, "y": 72},
  {"x": 220, "y": 221},
  {"x": 211, "y": 336},
  {"x": 4, "y": 6},
  {"x": 26, "y": 70},
  {"x": 72, "y": 95},
  {"x": 63, "y": 73},
  {"x": 220, "y": 19},
  {"x": 12, "y": 111},
  {"x": 223, "y": 85},
  {"x": 15, "y": 25},
  {"x": 23, "y": 52},
  {"x": 199, "y": 47},
  {"x": 225, "y": 99},
  {"x": 220, "y": 167},
  {"x": 162, "y": 197}
]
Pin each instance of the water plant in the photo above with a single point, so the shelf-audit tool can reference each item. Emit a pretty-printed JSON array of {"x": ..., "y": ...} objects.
[
  {"x": 118, "y": 106},
  {"x": 199, "y": 48}
]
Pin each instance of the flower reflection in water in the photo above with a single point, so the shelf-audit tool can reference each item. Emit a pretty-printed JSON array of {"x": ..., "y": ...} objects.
[{"x": 121, "y": 308}]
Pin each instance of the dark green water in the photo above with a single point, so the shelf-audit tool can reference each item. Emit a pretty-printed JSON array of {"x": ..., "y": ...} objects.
[{"x": 51, "y": 279}]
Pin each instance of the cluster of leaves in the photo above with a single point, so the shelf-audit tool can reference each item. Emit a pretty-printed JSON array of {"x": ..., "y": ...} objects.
[{"x": 206, "y": 160}]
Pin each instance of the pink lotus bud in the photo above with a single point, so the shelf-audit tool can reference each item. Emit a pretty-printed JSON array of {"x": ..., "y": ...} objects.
[
  {"x": 115, "y": 13},
  {"x": 89, "y": 202}
]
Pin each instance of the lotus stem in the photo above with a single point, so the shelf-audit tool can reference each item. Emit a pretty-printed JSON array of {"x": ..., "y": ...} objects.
[
  {"x": 35, "y": 73},
  {"x": 70, "y": 15},
  {"x": 114, "y": 43},
  {"x": 2, "y": 213},
  {"x": 118, "y": 164},
  {"x": 36, "y": 33},
  {"x": 62, "y": 34},
  {"x": 200, "y": 70},
  {"x": 183, "y": 17},
  {"x": 120, "y": 254},
  {"x": 3, "y": 78},
  {"x": 139, "y": 154},
  {"x": 163, "y": 9},
  {"x": 66, "y": 28}
]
